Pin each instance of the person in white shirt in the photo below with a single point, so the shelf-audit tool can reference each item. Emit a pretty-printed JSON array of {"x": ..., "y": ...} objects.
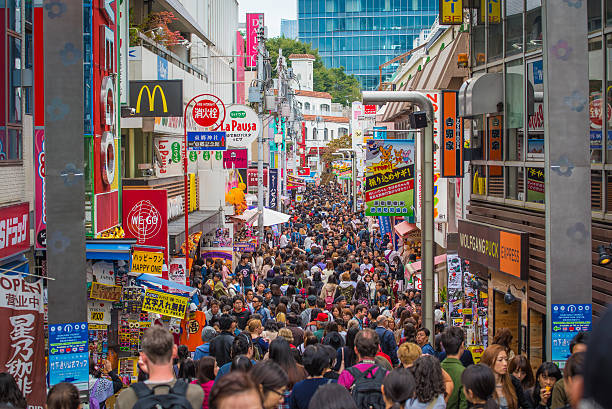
[
  {"x": 283, "y": 240},
  {"x": 308, "y": 243}
]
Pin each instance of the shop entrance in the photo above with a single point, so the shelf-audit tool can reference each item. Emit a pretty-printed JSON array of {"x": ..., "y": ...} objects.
[
  {"x": 537, "y": 332},
  {"x": 507, "y": 316}
]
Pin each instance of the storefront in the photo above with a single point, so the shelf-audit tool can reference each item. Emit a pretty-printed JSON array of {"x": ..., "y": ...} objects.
[{"x": 498, "y": 277}]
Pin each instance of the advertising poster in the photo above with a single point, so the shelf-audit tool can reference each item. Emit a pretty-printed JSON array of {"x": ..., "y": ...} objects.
[
  {"x": 535, "y": 185},
  {"x": 68, "y": 354},
  {"x": 453, "y": 263},
  {"x": 389, "y": 184},
  {"x": 177, "y": 272},
  {"x": 22, "y": 344},
  {"x": 40, "y": 214},
  {"x": 165, "y": 304},
  {"x": 15, "y": 230},
  {"x": 567, "y": 321},
  {"x": 145, "y": 217},
  {"x": 235, "y": 159},
  {"x": 147, "y": 262},
  {"x": 222, "y": 253},
  {"x": 253, "y": 22}
]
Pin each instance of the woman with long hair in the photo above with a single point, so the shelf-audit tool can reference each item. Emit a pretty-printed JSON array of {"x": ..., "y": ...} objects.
[
  {"x": 280, "y": 352},
  {"x": 508, "y": 390},
  {"x": 272, "y": 380},
  {"x": 520, "y": 368},
  {"x": 101, "y": 388},
  {"x": 332, "y": 396},
  {"x": 429, "y": 384},
  {"x": 479, "y": 387},
  {"x": 397, "y": 388},
  {"x": 205, "y": 376},
  {"x": 187, "y": 371},
  {"x": 503, "y": 337},
  {"x": 540, "y": 396},
  {"x": 346, "y": 355},
  {"x": 362, "y": 294},
  {"x": 10, "y": 394}
]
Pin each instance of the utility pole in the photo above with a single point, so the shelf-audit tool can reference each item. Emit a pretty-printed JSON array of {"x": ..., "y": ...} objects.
[{"x": 261, "y": 80}]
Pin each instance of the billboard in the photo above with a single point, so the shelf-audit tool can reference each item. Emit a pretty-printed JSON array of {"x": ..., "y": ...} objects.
[
  {"x": 253, "y": 22},
  {"x": 240, "y": 94},
  {"x": 157, "y": 98},
  {"x": 389, "y": 183},
  {"x": 14, "y": 230},
  {"x": 452, "y": 140},
  {"x": 145, "y": 217}
]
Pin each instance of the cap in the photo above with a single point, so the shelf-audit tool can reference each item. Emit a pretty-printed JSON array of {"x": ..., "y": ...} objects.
[
  {"x": 208, "y": 333},
  {"x": 321, "y": 317},
  {"x": 266, "y": 290},
  {"x": 339, "y": 298}
]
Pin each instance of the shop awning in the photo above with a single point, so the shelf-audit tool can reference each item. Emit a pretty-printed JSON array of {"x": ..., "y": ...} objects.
[
  {"x": 203, "y": 221},
  {"x": 160, "y": 281},
  {"x": 416, "y": 266},
  {"x": 271, "y": 217},
  {"x": 16, "y": 265},
  {"x": 404, "y": 228},
  {"x": 109, "y": 249}
]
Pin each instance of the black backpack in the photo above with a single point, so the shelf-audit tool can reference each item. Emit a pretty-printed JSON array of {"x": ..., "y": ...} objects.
[
  {"x": 366, "y": 391},
  {"x": 176, "y": 398}
]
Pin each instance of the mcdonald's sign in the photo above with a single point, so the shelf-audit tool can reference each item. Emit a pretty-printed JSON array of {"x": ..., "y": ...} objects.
[{"x": 157, "y": 98}]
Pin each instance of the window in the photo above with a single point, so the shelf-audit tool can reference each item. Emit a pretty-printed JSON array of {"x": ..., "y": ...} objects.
[
  {"x": 325, "y": 136},
  {"x": 14, "y": 80},
  {"x": 324, "y": 107},
  {"x": 535, "y": 126},
  {"x": 331, "y": 135},
  {"x": 594, "y": 14},
  {"x": 307, "y": 106},
  {"x": 478, "y": 40},
  {"x": 495, "y": 37},
  {"x": 535, "y": 185},
  {"x": 533, "y": 25},
  {"x": 514, "y": 27},
  {"x": 514, "y": 105},
  {"x": 609, "y": 96},
  {"x": 314, "y": 134},
  {"x": 515, "y": 183},
  {"x": 595, "y": 98}
]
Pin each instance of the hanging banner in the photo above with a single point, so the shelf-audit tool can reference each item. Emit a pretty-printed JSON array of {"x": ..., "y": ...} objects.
[
  {"x": 235, "y": 159},
  {"x": 273, "y": 189},
  {"x": 22, "y": 346},
  {"x": 245, "y": 247},
  {"x": 145, "y": 217},
  {"x": 253, "y": 22},
  {"x": 495, "y": 143},
  {"x": 241, "y": 126},
  {"x": 224, "y": 254},
  {"x": 147, "y": 262},
  {"x": 293, "y": 182},
  {"x": 389, "y": 180},
  {"x": 177, "y": 272},
  {"x": 252, "y": 177},
  {"x": 451, "y": 12},
  {"x": 165, "y": 304},
  {"x": 452, "y": 141},
  {"x": 105, "y": 292},
  {"x": 40, "y": 214}
]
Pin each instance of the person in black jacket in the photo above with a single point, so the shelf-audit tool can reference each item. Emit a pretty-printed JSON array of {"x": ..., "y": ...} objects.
[
  {"x": 540, "y": 396},
  {"x": 387, "y": 339},
  {"x": 221, "y": 345}
]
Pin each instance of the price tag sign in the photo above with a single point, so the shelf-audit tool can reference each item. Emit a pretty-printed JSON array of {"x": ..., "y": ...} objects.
[
  {"x": 98, "y": 312},
  {"x": 147, "y": 262},
  {"x": 105, "y": 292}
]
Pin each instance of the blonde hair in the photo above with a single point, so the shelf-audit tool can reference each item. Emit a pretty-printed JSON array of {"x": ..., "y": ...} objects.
[
  {"x": 280, "y": 317},
  {"x": 287, "y": 334},
  {"x": 253, "y": 325},
  {"x": 345, "y": 276},
  {"x": 408, "y": 352}
]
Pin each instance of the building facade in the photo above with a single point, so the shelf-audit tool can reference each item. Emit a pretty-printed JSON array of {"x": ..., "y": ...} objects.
[
  {"x": 288, "y": 29},
  {"x": 361, "y": 35}
]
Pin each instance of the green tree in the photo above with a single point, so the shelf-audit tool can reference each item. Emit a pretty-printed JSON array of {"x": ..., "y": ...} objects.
[
  {"x": 343, "y": 88},
  {"x": 328, "y": 156}
]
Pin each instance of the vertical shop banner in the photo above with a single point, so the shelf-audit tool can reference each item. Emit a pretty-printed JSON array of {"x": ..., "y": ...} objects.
[
  {"x": 440, "y": 200},
  {"x": 495, "y": 143},
  {"x": 235, "y": 159},
  {"x": 567, "y": 321},
  {"x": 253, "y": 22},
  {"x": 145, "y": 217},
  {"x": 40, "y": 214},
  {"x": 273, "y": 189},
  {"x": 252, "y": 178},
  {"x": 177, "y": 272},
  {"x": 14, "y": 230},
  {"x": 240, "y": 95},
  {"x": 452, "y": 140},
  {"x": 22, "y": 347},
  {"x": 389, "y": 187},
  {"x": 384, "y": 223}
]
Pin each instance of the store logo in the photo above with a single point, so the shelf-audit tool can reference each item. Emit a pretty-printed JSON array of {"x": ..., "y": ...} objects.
[
  {"x": 151, "y": 98},
  {"x": 237, "y": 114},
  {"x": 144, "y": 221}
]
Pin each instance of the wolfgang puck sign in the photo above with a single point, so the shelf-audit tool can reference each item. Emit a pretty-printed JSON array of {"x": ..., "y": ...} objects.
[{"x": 503, "y": 250}]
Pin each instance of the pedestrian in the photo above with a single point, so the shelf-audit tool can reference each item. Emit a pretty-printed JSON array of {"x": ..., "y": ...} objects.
[
  {"x": 479, "y": 387},
  {"x": 520, "y": 368},
  {"x": 430, "y": 389},
  {"x": 332, "y": 396},
  {"x": 407, "y": 353},
  {"x": 316, "y": 362},
  {"x": 64, "y": 395},
  {"x": 398, "y": 388},
  {"x": 503, "y": 337},
  {"x": 280, "y": 352},
  {"x": 10, "y": 394},
  {"x": 540, "y": 396},
  {"x": 574, "y": 382},
  {"x": 156, "y": 360},
  {"x": 387, "y": 339},
  {"x": 236, "y": 390},
  {"x": 205, "y": 376},
  {"x": 452, "y": 340},
  {"x": 273, "y": 381},
  {"x": 208, "y": 334},
  {"x": 241, "y": 345},
  {"x": 221, "y": 345},
  {"x": 422, "y": 340},
  {"x": 508, "y": 389}
]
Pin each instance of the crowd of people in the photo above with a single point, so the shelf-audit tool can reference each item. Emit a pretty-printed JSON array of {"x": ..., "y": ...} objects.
[{"x": 324, "y": 316}]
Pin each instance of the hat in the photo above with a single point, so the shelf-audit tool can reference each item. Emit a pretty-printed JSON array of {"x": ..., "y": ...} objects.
[
  {"x": 208, "y": 333},
  {"x": 312, "y": 299},
  {"x": 321, "y": 317},
  {"x": 339, "y": 298},
  {"x": 266, "y": 290}
]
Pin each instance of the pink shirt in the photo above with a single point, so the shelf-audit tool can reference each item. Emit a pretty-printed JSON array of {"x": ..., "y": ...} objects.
[
  {"x": 206, "y": 387},
  {"x": 346, "y": 379}
]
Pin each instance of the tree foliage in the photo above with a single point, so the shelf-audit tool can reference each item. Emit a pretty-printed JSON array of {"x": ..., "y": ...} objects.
[{"x": 343, "y": 88}]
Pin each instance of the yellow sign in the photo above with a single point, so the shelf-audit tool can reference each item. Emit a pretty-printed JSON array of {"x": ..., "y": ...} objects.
[
  {"x": 147, "y": 262},
  {"x": 477, "y": 351},
  {"x": 151, "y": 98},
  {"x": 465, "y": 311},
  {"x": 97, "y": 327},
  {"x": 165, "y": 304},
  {"x": 299, "y": 198},
  {"x": 451, "y": 12},
  {"x": 105, "y": 292},
  {"x": 493, "y": 8}
]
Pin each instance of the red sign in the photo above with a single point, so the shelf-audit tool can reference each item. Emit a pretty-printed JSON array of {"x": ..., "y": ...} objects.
[
  {"x": 369, "y": 109},
  {"x": 22, "y": 351},
  {"x": 452, "y": 137},
  {"x": 205, "y": 113},
  {"x": 252, "y": 177},
  {"x": 253, "y": 22},
  {"x": 14, "y": 230},
  {"x": 595, "y": 112},
  {"x": 304, "y": 172},
  {"x": 240, "y": 95},
  {"x": 235, "y": 159},
  {"x": 145, "y": 217}
]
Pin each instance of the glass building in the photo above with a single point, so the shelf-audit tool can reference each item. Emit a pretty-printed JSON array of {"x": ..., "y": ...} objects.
[{"x": 360, "y": 35}]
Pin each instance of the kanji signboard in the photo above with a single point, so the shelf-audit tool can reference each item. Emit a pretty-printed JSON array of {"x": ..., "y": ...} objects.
[
  {"x": 206, "y": 141},
  {"x": 165, "y": 304},
  {"x": 148, "y": 262}
]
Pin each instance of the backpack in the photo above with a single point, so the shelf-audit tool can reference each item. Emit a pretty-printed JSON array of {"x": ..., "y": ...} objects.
[
  {"x": 366, "y": 391},
  {"x": 347, "y": 292},
  {"x": 176, "y": 398},
  {"x": 329, "y": 299}
]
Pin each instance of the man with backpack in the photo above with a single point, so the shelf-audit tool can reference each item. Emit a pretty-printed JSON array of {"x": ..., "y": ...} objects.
[
  {"x": 365, "y": 378},
  {"x": 162, "y": 390}
]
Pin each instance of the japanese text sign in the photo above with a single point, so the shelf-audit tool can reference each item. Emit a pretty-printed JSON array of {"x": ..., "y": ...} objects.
[
  {"x": 451, "y": 12},
  {"x": 567, "y": 321},
  {"x": 22, "y": 341},
  {"x": 206, "y": 141},
  {"x": 452, "y": 141},
  {"x": 14, "y": 230},
  {"x": 241, "y": 126},
  {"x": 273, "y": 190},
  {"x": 68, "y": 354},
  {"x": 165, "y": 304},
  {"x": 147, "y": 262},
  {"x": 105, "y": 292},
  {"x": 235, "y": 159}
]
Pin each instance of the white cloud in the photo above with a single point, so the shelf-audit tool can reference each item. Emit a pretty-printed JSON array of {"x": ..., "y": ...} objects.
[{"x": 274, "y": 11}]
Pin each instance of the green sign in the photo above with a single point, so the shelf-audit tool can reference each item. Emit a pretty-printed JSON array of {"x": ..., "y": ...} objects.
[
  {"x": 237, "y": 114},
  {"x": 193, "y": 156},
  {"x": 206, "y": 155},
  {"x": 176, "y": 152},
  {"x": 219, "y": 155}
]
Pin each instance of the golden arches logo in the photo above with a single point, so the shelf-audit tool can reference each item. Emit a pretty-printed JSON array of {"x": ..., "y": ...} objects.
[{"x": 151, "y": 98}]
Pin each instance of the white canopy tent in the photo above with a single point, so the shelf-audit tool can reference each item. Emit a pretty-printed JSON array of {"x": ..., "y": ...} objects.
[{"x": 271, "y": 217}]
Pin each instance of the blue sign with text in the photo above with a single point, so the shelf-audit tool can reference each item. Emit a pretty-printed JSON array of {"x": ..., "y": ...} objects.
[
  {"x": 567, "y": 321},
  {"x": 206, "y": 141},
  {"x": 69, "y": 354},
  {"x": 273, "y": 189}
]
